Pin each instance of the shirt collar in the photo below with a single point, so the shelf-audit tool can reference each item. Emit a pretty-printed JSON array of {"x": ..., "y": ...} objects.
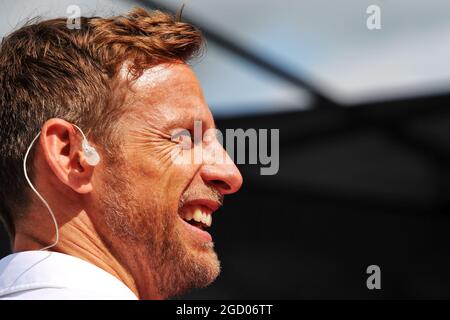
[{"x": 30, "y": 270}]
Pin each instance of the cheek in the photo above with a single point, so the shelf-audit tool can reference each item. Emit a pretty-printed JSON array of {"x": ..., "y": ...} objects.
[
  {"x": 179, "y": 177},
  {"x": 185, "y": 165},
  {"x": 154, "y": 171}
]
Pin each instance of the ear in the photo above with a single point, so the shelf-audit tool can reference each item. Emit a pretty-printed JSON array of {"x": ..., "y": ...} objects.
[{"x": 61, "y": 146}]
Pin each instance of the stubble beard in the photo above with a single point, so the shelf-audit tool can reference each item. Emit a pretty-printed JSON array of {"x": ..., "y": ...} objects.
[{"x": 152, "y": 231}]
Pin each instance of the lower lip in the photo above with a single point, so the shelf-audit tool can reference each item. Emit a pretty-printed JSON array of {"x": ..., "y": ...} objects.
[{"x": 204, "y": 235}]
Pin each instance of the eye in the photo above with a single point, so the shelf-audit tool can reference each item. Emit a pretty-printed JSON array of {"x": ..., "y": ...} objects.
[
  {"x": 183, "y": 138},
  {"x": 210, "y": 135}
]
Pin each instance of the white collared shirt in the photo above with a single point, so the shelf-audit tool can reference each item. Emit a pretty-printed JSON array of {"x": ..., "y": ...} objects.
[{"x": 46, "y": 275}]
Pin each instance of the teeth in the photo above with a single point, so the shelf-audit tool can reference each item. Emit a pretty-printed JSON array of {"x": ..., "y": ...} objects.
[
  {"x": 189, "y": 215},
  {"x": 208, "y": 220},
  {"x": 198, "y": 215}
]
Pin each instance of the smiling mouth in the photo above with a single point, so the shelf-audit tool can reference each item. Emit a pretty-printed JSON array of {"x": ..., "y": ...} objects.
[{"x": 198, "y": 216}]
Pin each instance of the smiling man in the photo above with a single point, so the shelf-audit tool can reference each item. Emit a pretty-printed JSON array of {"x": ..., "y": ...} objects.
[{"x": 134, "y": 224}]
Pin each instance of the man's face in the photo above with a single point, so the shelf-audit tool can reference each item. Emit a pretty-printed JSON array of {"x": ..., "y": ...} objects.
[{"x": 158, "y": 208}]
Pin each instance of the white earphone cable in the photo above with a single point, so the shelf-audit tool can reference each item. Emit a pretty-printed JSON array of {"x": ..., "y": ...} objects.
[
  {"x": 39, "y": 195},
  {"x": 81, "y": 131}
]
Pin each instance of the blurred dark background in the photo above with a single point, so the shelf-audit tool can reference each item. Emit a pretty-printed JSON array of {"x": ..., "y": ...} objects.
[{"x": 364, "y": 124}]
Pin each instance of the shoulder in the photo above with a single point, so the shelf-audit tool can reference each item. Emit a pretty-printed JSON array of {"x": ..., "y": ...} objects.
[{"x": 52, "y": 275}]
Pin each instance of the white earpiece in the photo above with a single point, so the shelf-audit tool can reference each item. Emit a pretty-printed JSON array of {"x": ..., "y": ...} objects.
[{"x": 92, "y": 156}]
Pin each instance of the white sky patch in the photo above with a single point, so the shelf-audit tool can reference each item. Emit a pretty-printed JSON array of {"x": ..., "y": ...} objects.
[{"x": 404, "y": 66}]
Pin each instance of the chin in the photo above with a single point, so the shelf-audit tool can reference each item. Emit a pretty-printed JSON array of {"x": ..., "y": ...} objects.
[
  {"x": 201, "y": 268},
  {"x": 205, "y": 264},
  {"x": 212, "y": 267}
]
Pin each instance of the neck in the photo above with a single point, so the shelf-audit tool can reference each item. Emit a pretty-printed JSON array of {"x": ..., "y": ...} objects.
[{"x": 78, "y": 238}]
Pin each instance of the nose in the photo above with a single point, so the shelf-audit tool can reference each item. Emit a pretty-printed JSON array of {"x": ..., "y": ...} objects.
[{"x": 223, "y": 175}]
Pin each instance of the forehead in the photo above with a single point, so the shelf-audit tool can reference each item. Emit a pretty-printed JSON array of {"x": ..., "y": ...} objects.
[{"x": 169, "y": 93}]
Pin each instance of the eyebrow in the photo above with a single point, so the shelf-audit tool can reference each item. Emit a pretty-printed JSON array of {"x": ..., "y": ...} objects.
[{"x": 188, "y": 119}]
